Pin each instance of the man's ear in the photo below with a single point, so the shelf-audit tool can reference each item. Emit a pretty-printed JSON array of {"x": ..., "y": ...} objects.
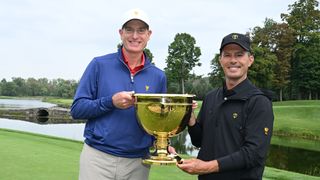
[{"x": 251, "y": 60}]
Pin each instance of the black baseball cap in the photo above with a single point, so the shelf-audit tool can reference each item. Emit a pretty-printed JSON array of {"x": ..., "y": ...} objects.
[{"x": 236, "y": 38}]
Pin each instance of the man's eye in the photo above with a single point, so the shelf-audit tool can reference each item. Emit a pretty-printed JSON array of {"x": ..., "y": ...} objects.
[
  {"x": 142, "y": 30},
  {"x": 129, "y": 30},
  {"x": 239, "y": 54}
]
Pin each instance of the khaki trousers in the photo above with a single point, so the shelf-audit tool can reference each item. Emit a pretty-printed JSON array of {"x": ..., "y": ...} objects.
[{"x": 97, "y": 165}]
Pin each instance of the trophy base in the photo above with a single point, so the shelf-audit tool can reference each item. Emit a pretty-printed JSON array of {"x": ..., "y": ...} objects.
[
  {"x": 159, "y": 162},
  {"x": 169, "y": 160}
]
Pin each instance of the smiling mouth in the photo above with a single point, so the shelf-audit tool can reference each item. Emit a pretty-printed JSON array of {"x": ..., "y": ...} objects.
[
  {"x": 135, "y": 42},
  {"x": 233, "y": 67}
]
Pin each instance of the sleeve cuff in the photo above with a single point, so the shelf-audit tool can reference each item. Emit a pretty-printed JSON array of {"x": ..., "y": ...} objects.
[{"x": 106, "y": 103}]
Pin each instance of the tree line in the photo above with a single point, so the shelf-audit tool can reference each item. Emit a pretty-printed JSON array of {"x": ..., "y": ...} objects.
[
  {"x": 287, "y": 56},
  {"x": 38, "y": 87},
  {"x": 287, "y": 61}
]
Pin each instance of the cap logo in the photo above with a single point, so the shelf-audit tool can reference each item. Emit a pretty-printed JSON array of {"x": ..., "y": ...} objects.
[
  {"x": 234, "y": 36},
  {"x": 136, "y": 13},
  {"x": 147, "y": 88}
]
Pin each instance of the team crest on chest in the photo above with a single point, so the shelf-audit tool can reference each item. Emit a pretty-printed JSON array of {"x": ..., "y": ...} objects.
[
  {"x": 266, "y": 131},
  {"x": 234, "y": 115}
]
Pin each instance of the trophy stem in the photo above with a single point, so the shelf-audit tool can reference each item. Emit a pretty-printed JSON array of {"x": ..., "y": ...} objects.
[
  {"x": 162, "y": 157},
  {"x": 162, "y": 144}
]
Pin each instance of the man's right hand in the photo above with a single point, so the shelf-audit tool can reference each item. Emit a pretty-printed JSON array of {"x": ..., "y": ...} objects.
[{"x": 123, "y": 100}]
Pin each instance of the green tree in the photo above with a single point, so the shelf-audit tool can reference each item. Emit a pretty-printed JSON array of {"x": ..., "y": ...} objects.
[
  {"x": 272, "y": 39},
  {"x": 21, "y": 86},
  {"x": 8, "y": 88},
  {"x": 216, "y": 76},
  {"x": 199, "y": 86},
  {"x": 33, "y": 87},
  {"x": 43, "y": 87},
  {"x": 183, "y": 57},
  {"x": 64, "y": 88},
  {"x": 304, "y": 19},
  {"x": 261, "y": 72},
  {"x": 284, "y": 40}
]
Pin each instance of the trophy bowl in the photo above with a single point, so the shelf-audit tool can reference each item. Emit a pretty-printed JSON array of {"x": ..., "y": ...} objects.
[{"x": 163, "y": 116}]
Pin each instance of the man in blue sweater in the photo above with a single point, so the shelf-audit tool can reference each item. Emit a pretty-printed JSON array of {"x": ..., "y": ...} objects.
[{"x": 114, "y": 141}]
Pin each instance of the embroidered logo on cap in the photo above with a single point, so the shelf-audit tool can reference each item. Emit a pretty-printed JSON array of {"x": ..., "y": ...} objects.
[
  {"x": 234, "y": 36},
  {"x": 136, "y": 13},
  {"x": 147, "y": 88}
]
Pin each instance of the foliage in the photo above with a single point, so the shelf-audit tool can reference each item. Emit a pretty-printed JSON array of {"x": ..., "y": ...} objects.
[
  {"x": 216, "y": 76},
  {"x": 149, "y": 54},
  {"x": 304, "y": 19},
  {"x": 199, "y": 86},
  {"x": 183, "y": 57},
  {"x": 261, "y": 72},
  {"x": 274, "y": 40},
  {"x": 38, "y": 87}
]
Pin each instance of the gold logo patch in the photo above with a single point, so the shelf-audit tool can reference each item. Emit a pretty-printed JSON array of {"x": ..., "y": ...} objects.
[
  {"x": 147, "y": 88},
  {"x": 234, "y": 115},
  {"x": 234, "y": 36},
  {"x": 266, "y": 131}
]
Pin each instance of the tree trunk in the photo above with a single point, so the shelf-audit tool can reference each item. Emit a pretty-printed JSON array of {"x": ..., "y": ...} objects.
[
  {"x": 280, "y": 95},
  {"x": 310, "y": 95},
  {"x": 182, "y": 85}
]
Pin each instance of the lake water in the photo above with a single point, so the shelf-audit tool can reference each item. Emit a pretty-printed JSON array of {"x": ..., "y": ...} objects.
[
  {"x": 281, "y": 157},
  {"x": 23, "y": 104}
]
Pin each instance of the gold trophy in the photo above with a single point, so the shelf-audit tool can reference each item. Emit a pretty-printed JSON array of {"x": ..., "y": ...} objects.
[{"x": 163, "y": 116}]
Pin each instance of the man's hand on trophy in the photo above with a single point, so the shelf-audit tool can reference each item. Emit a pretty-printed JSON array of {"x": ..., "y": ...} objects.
[
  {"x": 171, "y": 150},
  {"x": 194, "y": 105},
  {"x": 197, "y": 166},
  {"x": 174, "y": 154},
  {"x": 123, "y": 100}
]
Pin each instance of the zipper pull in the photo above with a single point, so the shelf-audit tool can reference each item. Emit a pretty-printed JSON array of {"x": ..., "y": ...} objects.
[{"x": 131, "y": 78}]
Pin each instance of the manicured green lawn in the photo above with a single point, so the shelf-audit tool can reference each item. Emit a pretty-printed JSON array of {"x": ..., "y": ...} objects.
[
  {"x": 25, "y": 156},
  {"x": 297, "y": 118},
  {"x": 66, "y": 103}
]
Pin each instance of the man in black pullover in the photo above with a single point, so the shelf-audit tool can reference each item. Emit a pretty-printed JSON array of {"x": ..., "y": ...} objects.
[{"x": 234, "y": 126}]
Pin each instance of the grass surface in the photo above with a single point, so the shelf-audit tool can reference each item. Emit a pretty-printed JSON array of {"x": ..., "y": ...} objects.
[
  {"x": 37, "y": 157},
  {"x": 66, "y": 103},
  {"x": 297, "y": 119},
  {"x": 28, "y": 156}
]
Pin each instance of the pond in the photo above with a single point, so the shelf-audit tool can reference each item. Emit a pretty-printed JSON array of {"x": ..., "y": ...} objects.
[
  {"x": 282, "y": 157},
  {"x": 23, "y": 104}
]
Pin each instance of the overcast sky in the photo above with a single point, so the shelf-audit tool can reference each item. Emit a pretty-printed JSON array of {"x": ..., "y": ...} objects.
[{"x": 58, "y": 38}]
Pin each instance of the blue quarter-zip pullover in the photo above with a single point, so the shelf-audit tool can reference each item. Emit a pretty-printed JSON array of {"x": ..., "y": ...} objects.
[{"x": 109, "y": 129}]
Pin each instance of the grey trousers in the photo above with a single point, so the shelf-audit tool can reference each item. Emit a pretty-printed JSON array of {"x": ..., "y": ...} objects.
[{"x": 97, "y": 165}]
